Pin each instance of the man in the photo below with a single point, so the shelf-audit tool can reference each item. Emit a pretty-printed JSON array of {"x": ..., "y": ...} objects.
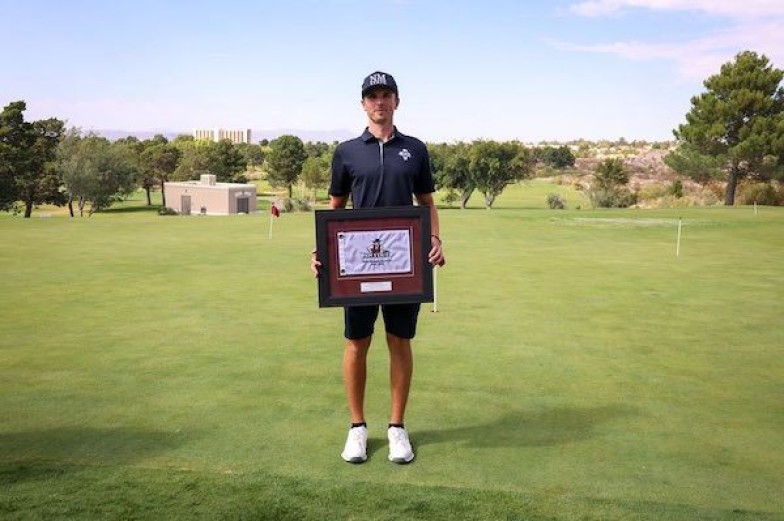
[{"x": 382, "y": 167}]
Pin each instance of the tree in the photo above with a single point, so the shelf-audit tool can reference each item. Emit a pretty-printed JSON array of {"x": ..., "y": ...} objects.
[
  {"x": 609, "y": 188},
  {"x": 71, "y": 164},
  {"x": 495, "y": 165},
  {"x": 196, "y": 157},
  {"x": 135, "y": 148},
  {"x": 193, "y": 159},
  {"x": 27, "y": 159},
  {"x": 253, "y": 154},
  {"x": 315, "y": 173},
  {"x": 739, "y": 120},
  {"x": 157, "y": 163},
  {"x": 688, "y": 162},
  {"x": 96, "y": 171},
  {"x": 284, "y": 161},
  {"x": 225, "y": 161},
  {"x": 451, "y": 170},
  {"x": 611, "y": 173},
  {"x": 317, "y": 149},
  {"x": 560, "y": 157}
]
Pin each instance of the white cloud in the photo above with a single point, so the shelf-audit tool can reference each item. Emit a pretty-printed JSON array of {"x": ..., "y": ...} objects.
[
  {"x": 753, "y": 25},
  {"x": 730, "y": 8}
]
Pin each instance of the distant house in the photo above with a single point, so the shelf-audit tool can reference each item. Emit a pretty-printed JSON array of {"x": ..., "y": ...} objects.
[{"x": 207, "y": 197}]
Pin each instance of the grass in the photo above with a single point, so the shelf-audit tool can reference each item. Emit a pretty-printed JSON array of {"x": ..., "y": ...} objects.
[{"x": 164, "y": 367}]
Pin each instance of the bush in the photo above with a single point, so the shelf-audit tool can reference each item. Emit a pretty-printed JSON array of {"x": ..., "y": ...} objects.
[
  {"x": 301, "y": 205},
  {"x": 653, "y": 191},
  {"x": 450, "y": 197},
  {"x": 677, "y": 189},
  {"x": 556, "y": 202},
  {"x": 165, "y": 210},
  {"x": 613, "y": 197},
  {"x": 295, "y": 205},
  {"x": 761, "y": 193}
]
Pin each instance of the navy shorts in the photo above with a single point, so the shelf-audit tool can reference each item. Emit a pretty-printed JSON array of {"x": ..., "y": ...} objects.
[{"x": 399, "y": 320}]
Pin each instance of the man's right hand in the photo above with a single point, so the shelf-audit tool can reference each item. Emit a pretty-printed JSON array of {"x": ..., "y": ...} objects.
[{"x": 314, "y": 263}]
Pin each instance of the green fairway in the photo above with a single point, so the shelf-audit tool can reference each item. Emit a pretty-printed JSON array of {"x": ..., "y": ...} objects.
[{"x": 179, "y": 368}]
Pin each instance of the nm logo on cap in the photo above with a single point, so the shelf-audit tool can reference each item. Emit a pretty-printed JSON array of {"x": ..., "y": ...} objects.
[{"x": 377, "y": 79}]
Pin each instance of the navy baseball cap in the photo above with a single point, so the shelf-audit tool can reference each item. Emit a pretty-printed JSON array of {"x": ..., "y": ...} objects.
[{"x": 378, "y": 80}]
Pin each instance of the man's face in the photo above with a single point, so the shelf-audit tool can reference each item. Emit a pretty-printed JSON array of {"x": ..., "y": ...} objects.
[{"x": 380, "y": 105}]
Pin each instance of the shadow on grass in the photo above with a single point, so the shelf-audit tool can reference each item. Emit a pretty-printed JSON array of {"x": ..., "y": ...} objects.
[
  {"x": 133, "y": 209},
  {"x": 538, "y": 428},
  {"x": 118, "y": 446}
]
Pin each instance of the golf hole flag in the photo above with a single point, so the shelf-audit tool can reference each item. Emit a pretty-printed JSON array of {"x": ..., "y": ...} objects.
[{"x": 376, "y": 252}]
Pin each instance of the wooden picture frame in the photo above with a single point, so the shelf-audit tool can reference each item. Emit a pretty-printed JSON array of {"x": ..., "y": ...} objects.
[{"x": 374, "y": 256}]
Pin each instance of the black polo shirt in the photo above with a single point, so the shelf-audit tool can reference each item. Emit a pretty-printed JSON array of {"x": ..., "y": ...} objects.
[{"x": 381, "y": 174}]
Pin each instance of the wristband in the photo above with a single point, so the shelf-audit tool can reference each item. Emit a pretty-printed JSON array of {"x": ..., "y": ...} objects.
[{"x": 440, "y": 242}]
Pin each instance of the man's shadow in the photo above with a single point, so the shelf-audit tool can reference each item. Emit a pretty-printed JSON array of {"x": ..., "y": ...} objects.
[
  {"x": 538, "y": 428},
  {"x": 25, "y": 454}
]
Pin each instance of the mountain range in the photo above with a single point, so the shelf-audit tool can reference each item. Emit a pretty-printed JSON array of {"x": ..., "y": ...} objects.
[{"x": 327, "y": 136}]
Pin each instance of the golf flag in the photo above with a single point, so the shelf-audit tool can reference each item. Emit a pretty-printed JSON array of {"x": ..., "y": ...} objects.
[{"x": 274, "y": 212}]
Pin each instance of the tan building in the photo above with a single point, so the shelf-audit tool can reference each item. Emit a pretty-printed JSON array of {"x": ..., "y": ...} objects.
[
  {"x": 207, "y": 197},
  {"x": 235, "y": 136}
]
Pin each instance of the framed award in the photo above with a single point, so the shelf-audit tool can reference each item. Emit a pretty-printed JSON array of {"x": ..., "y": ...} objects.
[{"x": 374, "y": 256}]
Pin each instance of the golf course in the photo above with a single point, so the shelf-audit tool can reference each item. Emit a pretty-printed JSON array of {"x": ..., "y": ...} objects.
[{"x": 576, "y": 368}]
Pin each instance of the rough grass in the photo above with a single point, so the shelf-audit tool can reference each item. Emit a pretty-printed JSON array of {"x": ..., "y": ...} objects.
[{"x": 165, "y": 367}]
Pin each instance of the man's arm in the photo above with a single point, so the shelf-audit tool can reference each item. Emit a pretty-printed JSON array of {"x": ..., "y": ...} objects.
[{"x": 436, "y": 256}]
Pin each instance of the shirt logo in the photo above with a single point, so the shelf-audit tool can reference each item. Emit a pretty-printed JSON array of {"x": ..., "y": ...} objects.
[
  {"x": 378, "y": 79},
  {"x": 405, "y": 154}
]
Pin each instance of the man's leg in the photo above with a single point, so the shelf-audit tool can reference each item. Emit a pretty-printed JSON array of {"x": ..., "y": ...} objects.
[
  {"x": 401, "y": 369},
  {"x": 400, "y": 321},
  {"x": 355, "y": 376}
]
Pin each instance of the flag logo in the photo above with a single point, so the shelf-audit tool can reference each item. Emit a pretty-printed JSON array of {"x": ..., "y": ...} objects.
[{"x": 374, "y": 252}]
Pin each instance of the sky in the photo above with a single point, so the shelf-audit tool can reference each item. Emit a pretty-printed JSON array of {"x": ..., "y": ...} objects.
[{"x": 494, "y": 69}]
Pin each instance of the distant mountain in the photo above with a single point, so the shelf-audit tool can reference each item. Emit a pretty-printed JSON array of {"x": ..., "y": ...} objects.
[
  {"x": 328, "y": 136},
  {"x": 113, "y": 135}
]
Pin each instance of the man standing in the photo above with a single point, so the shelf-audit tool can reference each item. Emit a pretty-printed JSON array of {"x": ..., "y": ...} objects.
[{"x": 382, "y": 167}]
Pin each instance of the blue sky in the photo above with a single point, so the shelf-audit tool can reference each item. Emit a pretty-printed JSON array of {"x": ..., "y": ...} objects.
[{"x": 528, "y": 70}]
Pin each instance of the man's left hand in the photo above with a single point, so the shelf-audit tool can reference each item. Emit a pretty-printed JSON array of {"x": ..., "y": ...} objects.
[{"x": 436, "y": 255}]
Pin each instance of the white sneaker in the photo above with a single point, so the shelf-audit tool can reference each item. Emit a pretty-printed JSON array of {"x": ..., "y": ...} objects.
[
  {"x": 355, "y": 450},
  {"x": 399, "y": 447}
]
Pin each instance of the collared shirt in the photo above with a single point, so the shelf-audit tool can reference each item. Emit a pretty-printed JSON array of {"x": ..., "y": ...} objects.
[{"x": 381, "y": 174}]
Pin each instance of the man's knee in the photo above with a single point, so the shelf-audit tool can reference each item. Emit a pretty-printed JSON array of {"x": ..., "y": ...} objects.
[{"x": 358, "y": 346}]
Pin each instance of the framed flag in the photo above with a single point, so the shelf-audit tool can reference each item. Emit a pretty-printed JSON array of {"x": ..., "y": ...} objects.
[{"x": 374, "y": 256}]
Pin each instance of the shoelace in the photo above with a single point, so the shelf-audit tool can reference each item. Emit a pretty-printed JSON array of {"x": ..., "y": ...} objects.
[
  {"x": 399, "y": 436},
  {"x": 355, "y": 435}
]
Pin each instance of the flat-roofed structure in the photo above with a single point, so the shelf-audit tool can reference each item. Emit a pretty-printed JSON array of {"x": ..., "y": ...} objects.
[{"x": 208, "y": 197}]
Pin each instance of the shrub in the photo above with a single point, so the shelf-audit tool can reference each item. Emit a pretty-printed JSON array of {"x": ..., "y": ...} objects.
[
  {"x": 301, "y": 205},
  {"x": 761, "y": 193},
  {"x": 294, "y": 205},
  {"x": 165, "y": 210},
  {"x": 450, "y": 197},
  {"x": 556, "y": 202},
  {"x": 677, "y": 189},
  {"x": 653, "y": 191},
  {"x": 613, "y": 197}
]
